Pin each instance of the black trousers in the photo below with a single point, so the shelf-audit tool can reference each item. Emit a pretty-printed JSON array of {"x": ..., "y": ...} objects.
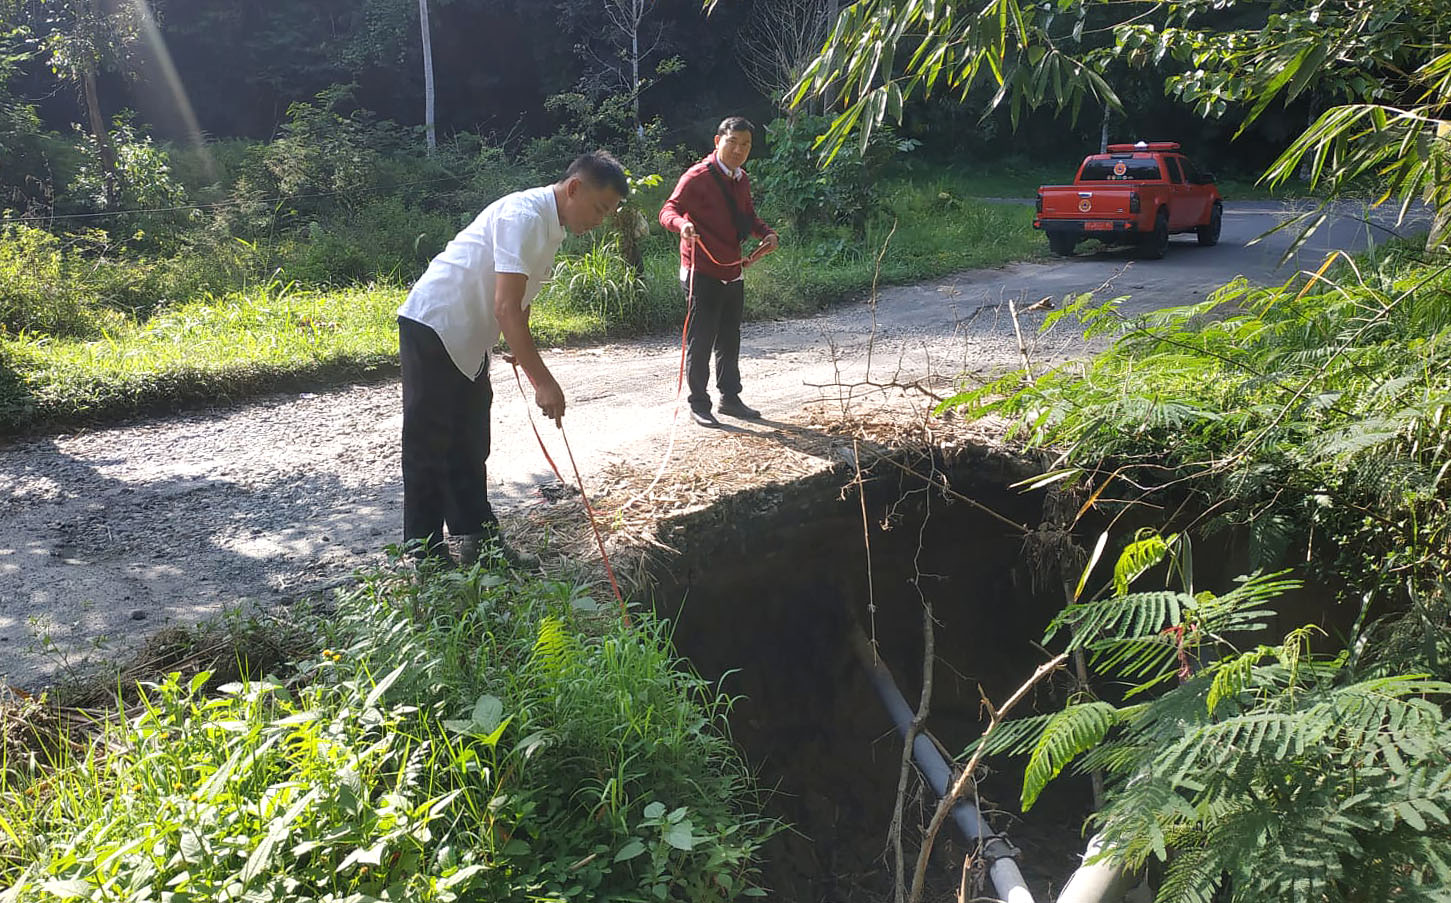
[
  {"x": 715, "y": 327},
  {"x": 445, "y": 441}
]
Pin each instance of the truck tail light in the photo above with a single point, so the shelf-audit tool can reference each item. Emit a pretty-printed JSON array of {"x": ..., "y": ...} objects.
[
  {"x": 1040, "y": 202},
  {"x": 1134, "y": 202}
]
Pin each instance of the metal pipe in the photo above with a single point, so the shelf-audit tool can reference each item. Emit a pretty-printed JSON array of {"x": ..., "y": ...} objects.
[
  {"x": 1003, "y": 867},
  {"x": 1096, "y": 882}
]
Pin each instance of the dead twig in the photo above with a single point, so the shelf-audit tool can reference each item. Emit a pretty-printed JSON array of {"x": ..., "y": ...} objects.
[
  {"x": 960, "y": 497},
  {"x": 916, "y": 385},
  {"x": 1022, "y": 348}
]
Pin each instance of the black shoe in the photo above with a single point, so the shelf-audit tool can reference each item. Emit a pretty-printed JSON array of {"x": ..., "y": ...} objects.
[
  {"x": 518, "y": 559},
  {"x": 704, "y": 418},
  {"x": 732, "y": 406},
  {"x": 487, "y": 547},
  {"x": 431, "y": 557}
]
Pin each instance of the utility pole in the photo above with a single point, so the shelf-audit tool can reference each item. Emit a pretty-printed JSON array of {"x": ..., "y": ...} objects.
[{"x": 427, "y": 76}]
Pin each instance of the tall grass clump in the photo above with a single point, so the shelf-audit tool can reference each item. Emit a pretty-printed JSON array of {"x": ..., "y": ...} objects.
[
  {"x": 468, "y": 738},
  {"x": 599, "y": 286}
]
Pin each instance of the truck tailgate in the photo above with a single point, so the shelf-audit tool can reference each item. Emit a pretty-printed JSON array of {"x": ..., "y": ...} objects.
[{"x": 1074, "y": 202}]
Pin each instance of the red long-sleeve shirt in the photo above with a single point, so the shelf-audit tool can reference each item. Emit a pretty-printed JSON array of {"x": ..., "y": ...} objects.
[{"x": 699, "y": 198}]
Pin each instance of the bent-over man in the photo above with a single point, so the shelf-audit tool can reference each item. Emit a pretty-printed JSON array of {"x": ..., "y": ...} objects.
[{"x": 479, "y": 287}]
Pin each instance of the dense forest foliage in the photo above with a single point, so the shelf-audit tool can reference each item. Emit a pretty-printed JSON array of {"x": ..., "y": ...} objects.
[{"x": 505, "y": 72}]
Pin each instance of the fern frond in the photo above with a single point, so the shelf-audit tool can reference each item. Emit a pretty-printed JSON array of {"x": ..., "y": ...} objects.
[
  {"x": 1257, "y": 735},
  {"x": 1232, "y": 675},
  {"x": 1133, "y": 616},
  {"x": 1067, "y": 734},
  {"x": 1012, "y": 738},
  {"x": 1193, "y": 876},
  {"x": 1145, "y": 660},
  {"x": 555, "y": 648},
  {"x": 1148, "y": 549}
]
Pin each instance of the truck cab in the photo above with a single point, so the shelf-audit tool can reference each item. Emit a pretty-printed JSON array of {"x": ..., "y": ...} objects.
[{"x": 1136, "y": 194}]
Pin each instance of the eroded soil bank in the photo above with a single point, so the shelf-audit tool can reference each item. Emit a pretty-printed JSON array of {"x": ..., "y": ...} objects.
[{"x": 765, "y": 590}]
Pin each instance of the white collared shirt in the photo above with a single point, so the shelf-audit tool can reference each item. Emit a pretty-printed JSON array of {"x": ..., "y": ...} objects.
[
  {"x": 735, "y": 174},
  {"x": 519, "y": 233}
]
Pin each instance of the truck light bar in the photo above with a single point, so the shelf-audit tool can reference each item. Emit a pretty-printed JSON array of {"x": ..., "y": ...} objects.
[{"x": 1143, "y": 146}]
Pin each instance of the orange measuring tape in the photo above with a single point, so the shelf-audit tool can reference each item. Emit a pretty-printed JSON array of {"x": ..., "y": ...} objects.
[{"x": 589, "y": 509}]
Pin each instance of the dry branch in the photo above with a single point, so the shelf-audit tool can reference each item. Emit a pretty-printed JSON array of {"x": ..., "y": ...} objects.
[{"x": 965, "y": 777}]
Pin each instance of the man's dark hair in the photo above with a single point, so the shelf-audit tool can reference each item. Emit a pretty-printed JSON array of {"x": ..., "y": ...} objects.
[
  {"x": 734, "y": 124},
  {"x": 601, "y": 170}
]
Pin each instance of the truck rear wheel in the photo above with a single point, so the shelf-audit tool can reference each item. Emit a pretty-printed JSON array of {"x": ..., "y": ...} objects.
[
  {"x": 1156, "y": 243},
  {"x": 1061, "y": 243},
  {"x": 1209, "y": 234}
]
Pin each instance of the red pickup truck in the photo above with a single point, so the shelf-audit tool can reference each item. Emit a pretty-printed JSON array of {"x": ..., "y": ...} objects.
[{"x": 1136, "y": 194}]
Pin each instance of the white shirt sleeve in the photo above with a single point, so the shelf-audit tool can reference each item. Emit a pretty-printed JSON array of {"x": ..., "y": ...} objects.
[{"x": 517, "y": 240}]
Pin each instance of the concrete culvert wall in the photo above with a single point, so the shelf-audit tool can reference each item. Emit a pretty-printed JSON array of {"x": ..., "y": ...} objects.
[{"x": 764, "y": 593}]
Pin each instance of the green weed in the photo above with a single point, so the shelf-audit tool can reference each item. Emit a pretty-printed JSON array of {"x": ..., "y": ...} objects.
[{"x": 468, "y": 738}]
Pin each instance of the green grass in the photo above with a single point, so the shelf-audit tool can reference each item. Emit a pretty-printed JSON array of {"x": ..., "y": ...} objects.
[
  {"x": 215, "y": 349},
  {"x": 473, "y": 737},
  {"x": 231, "y": 346},
  {"x": 1007, "y": 178}
]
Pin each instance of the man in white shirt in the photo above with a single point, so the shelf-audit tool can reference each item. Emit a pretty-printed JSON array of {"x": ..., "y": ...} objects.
[{"x": 479, "y": 287}]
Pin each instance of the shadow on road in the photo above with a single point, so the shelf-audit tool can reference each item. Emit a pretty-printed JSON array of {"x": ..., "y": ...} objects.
[{"x": 95, "y": 560}]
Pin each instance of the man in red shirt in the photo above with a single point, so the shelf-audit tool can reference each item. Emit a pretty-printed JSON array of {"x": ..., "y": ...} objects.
[{"x": 712, "y": 210}]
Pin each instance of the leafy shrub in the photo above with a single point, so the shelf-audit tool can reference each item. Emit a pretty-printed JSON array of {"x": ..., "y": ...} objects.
[
  {"x": 586, "y": 123},
  {"x": 462, "y": 740},
  {"x": 79, "y": 284},
  {"x": 325, "y": 159},
  {"x": 1260, "y": 773},
  {"x": 491, "y": 174},
  {"x": 147, "y": 215},
  {"x": 384, "y": 238},
  {"x": 796, "y": 184},
  {"x": 43, "y": 283},
  {"x": 208, "y": 172},
  {"x": 1308, "y": 409},
  {"x": 30, "y": 157}
]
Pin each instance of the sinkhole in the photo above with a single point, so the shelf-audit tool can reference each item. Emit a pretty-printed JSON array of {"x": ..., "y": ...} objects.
[{"x": 764, "y": 594}]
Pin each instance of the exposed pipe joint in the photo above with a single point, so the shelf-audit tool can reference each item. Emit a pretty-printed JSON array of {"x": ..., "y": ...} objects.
[{"x": 1000, "y": 854}]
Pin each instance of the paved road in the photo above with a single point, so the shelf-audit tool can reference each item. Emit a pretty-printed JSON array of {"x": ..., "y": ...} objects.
[{"x": 105, "y": 536}]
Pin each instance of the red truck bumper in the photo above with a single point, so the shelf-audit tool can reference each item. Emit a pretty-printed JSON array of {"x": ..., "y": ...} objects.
[{"x": 1088, "y": 227}]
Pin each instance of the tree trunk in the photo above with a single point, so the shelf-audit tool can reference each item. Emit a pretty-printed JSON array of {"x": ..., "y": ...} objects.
[
  {"x": 635, "y": 76},
  {"x": 427, "y": 75},
  {"x": 1103, "y": 131},
  {"x": 102, "y": 136}
]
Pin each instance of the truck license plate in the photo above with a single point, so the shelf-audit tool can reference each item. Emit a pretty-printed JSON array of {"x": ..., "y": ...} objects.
[{"x": 1098, "y": 227}]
